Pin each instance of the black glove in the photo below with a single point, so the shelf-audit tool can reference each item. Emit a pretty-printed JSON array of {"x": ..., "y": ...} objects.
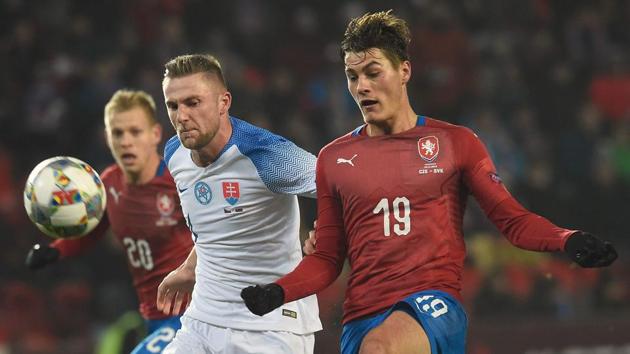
[
  {"x": 589, "y": 251},
  {"x": 262, "y": 299},
  {"x": 40, "y": 256}
]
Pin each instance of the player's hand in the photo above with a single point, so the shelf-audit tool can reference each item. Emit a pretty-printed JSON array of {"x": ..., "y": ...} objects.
[
  {"x": 262, "y": 299},
  {"x": 589, "y": 251},
  {"x": 41, "y": 255},
  {"x": 309, "y": 243},
  {"x": 175, "y": 291}
]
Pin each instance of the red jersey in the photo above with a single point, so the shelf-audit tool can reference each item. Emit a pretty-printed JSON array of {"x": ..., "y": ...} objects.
[
  {"x": 393, "y": 205},
  {"x": 148, "y": 222}
]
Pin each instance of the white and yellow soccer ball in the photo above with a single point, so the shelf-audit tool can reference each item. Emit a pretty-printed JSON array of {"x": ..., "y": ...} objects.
[{"x": 64, "y": 197}]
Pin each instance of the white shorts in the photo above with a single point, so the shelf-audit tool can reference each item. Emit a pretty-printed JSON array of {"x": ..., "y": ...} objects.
[{"x": 196, "y": 337}]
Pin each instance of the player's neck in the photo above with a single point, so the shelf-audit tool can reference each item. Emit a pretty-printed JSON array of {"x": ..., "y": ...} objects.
[
  {"x": 209, "y": 153},
  {"x": 402, "y": 122},
  {"x": 146, "y": 174}
]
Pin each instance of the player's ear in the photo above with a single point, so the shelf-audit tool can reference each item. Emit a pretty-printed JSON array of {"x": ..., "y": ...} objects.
[
  {"x": 107, "y": 137},
  {"x": 225, "y": 101},
  {"x": 405, "y": 70},
  {"x": 157, "y": 132}
]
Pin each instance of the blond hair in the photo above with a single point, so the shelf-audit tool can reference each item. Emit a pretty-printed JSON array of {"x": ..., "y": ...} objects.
[
  {"x": 189, "y": 64},
  {"x": 125, "y": 100}
]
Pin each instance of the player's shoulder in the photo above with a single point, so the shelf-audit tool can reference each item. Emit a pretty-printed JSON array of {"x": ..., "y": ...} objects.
[
  {"x": 261, "y": 145},
  {"x": 170, "y": 147},
  {"x": 443, "y": 125},
  {"x": 249, "y": 137},
  {"x": 340, "y": 141},
  {"x": 111, "y": 173},
  {"x": 458, "y": 131},
  {"x": 163, "y": 175}
]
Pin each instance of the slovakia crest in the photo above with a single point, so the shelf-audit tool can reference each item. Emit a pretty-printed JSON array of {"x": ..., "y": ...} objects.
[
  {"x": 429, "y": 148},
  {"x": 231, "y": 192}
]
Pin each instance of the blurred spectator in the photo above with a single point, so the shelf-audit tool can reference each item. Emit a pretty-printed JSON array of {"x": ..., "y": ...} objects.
[{"x": 610, "y": 89}]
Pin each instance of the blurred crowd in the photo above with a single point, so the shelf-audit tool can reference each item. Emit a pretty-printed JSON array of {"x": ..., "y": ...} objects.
[{"x": 544, "y": 83}]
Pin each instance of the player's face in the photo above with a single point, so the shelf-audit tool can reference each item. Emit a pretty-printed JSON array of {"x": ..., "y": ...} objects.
[
  {"x": 133, "y": 139},
  {"x": 195, "y": 105},
  {"x": 376, "y": 85}
]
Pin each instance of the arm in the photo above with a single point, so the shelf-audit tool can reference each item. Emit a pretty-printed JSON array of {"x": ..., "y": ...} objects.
[
  {"x": 190, "y": 263},
  {"x": 317, "y": 270},
  {"x": 176, "y": 288},
  {"x": 321, "y": 268},
  {"x": 42, "y": 255},
  {"x": 521, "y": 227},
  {"x": 74, "y": 247}
]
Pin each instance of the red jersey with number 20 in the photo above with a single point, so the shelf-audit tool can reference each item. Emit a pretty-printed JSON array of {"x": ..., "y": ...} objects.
[
  {"x": 393, "y": 205},
  {"x": 147, "y": 221}
]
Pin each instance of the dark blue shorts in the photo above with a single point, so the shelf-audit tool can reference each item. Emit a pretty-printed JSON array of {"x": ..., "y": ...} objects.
[
  {"x": 161, "y": 332},
  {"x": 442, "y": 317}
]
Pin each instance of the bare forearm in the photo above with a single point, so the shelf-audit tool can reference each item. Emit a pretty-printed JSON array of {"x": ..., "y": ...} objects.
[{"x": 191, "y": 261}]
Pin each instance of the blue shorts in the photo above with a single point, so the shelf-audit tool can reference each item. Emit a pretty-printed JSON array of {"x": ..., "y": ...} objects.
[
  {"x": 441, "y": 316},
  {"x": 161, "y": 332}
]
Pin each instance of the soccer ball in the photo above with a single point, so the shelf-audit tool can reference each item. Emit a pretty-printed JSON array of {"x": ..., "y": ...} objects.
[{"x": 64, "y": 197}]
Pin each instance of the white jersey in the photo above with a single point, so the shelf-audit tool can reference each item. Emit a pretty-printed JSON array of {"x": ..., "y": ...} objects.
[{"x": 243, "y": 213}]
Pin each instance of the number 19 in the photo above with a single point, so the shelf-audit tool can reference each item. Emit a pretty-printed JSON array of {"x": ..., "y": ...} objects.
[{"x": 400, "y": 205}]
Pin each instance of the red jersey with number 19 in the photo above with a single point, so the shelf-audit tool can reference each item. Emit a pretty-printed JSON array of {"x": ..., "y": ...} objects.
[
  {"x": 393, "y": 205},
  {"x": 147, "y": 221}
]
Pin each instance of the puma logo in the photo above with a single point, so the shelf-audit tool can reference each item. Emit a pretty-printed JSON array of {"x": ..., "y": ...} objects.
[
  {"x": 114, "y": 194},
  {"x": 341, "y": 160}
]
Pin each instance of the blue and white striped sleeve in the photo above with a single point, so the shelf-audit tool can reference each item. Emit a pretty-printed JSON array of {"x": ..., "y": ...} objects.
[{"x": 284, "y": 167}]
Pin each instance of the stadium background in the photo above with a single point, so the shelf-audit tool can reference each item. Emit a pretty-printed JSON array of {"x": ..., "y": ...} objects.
[{"x": 546, "y": 84}]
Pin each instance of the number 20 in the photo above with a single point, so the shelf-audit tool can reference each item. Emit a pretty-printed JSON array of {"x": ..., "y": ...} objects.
[
  {"x": 400, "y": 205},
  {"x": 139, "y": 253}
]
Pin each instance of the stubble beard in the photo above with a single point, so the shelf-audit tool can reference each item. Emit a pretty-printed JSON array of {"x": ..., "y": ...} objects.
[{"x": 197, "y": 143}]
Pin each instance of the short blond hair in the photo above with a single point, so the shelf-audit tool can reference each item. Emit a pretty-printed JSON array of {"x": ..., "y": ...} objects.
[
  {"x": 189, "y": 64},
  {"x": 125, "y": 100}
]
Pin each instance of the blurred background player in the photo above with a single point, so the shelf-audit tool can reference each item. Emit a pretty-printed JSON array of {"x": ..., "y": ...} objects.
[
  {"x": 238, "y": 184},
  {"x": 391, "y": 198},
  {"x": 143, "y": 211}
]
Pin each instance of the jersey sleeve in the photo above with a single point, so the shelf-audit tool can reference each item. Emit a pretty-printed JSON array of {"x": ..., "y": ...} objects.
[
  {"x": 521, "y": 227},
  {"x": 320, "y": 269},
  {"x": 73, "y": 247},
  {"x": 284, "y": 167}
]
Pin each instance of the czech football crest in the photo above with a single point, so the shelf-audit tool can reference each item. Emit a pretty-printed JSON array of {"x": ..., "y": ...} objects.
[
  {"x": 429, "y": 148},
  {"x": 231, "y": 192},
  {"x": 166, "y": 206}
]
